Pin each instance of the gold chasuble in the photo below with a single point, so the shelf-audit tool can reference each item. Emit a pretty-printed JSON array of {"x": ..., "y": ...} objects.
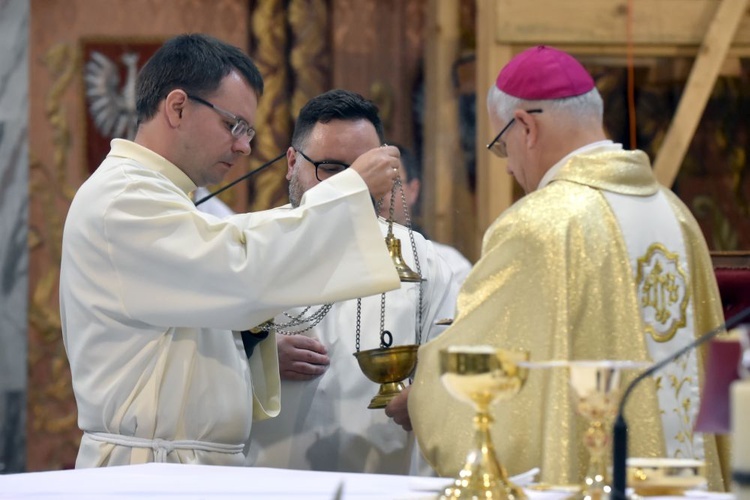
[{"x": 555, "y": 278}]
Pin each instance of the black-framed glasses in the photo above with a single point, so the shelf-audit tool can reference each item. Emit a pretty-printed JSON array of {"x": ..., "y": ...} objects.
[
  {"x": 239, "y": 127},
  {"x": 326, "y": 168},
  {"x": 497, "y": 146}
]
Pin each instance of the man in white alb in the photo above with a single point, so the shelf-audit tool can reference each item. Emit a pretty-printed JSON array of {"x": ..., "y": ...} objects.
[{"x": 324, "y": 422}]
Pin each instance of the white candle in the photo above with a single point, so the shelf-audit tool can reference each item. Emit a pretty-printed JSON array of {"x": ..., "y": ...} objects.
[{"x": 740, "y": 402}]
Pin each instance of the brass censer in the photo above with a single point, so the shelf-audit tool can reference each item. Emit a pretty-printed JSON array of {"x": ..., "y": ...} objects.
[{"x": 389, "y": 365}]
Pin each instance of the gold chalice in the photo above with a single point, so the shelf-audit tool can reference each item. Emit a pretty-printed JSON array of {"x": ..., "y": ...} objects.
[
  {"x": 387, "y": 366},
  {"x": 481, "y": 375},
  {"x": 597, "y": 388}
]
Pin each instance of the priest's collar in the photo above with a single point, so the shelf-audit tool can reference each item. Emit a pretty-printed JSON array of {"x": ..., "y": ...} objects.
[{"x": 147, "y": 158}]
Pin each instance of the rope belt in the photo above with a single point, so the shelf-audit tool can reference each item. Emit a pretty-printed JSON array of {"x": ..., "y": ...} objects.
[{"x": 163, "y": 447}]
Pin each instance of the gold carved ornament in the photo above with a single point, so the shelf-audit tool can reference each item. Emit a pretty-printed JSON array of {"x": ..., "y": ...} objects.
[
  {"x": 309, "y": 57},
  {"x": 52, "y": 416},
  {"x": 269, "y": 51}
]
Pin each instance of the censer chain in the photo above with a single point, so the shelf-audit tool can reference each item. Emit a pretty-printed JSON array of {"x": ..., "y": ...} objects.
[
  {"x": 298, "y": 320},
  {"x": 383, "y": 333}
]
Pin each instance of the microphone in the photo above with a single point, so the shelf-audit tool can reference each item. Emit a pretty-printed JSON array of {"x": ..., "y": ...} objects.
[
  {"x": 249, "y": 338},
  {"x": 620, "y": 428},
  {"x": 246, "y": 176}
]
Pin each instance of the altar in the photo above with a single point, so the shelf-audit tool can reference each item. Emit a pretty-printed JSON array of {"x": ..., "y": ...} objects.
[{"x": 163, "y": 481}]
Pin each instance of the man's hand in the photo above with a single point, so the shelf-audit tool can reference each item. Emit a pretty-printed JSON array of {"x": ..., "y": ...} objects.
[
  {"x": 379, "y": 169},
  {"x": 301, "y": 358},
  {"x": 398, "y": 410}
]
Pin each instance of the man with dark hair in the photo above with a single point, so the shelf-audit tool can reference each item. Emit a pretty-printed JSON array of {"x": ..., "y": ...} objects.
[
  {"x": 323, "y": 113},
  {"x": 154, "y": 293},
  {"x": 325, "y": 423}
]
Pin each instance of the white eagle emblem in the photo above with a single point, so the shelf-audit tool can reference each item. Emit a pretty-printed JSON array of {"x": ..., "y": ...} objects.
[{"x": 112, "y": 107}]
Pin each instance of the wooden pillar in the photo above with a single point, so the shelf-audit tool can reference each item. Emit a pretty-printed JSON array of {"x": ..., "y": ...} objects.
[{"x": 441, "y": 150}]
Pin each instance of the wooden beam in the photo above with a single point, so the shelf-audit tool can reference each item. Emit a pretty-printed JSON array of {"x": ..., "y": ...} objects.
[
  {"x": 700, "y": 83},
  {"x": 441, "y": 153},
  {"x": 615, "y": 54},
  {"x": 603, "y": 22}
]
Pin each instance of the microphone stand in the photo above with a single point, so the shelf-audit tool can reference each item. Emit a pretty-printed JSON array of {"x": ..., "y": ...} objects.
[
  {"x": 249, "y": 339},
  {"x": 246, "y": 176},
  {"x": 620, "y": 428}
]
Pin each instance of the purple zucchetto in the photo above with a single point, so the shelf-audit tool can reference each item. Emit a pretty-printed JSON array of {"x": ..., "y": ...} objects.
[{"x": 542, "y": 73}]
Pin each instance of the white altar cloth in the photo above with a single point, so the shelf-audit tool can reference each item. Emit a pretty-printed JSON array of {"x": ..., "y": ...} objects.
[
  {"x": 172, "y": 481},
  {"x": 159, "y": 481}
]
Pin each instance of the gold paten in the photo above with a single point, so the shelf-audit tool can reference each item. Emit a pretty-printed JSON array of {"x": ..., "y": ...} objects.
[
  {"x": 480, "y": 376},
  {"x": 405, "y": 273},
  {"x": 387, "y": 366},
  {"x": 665, "y": 476}
]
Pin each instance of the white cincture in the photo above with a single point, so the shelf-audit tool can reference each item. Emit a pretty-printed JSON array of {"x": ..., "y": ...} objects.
[{"x": 163, "y": 447}]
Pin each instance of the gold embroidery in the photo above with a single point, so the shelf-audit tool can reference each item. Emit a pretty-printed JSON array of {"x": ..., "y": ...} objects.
[
  {"x": 663, "y": 292},
  {"x": 683, "y": 409}
]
